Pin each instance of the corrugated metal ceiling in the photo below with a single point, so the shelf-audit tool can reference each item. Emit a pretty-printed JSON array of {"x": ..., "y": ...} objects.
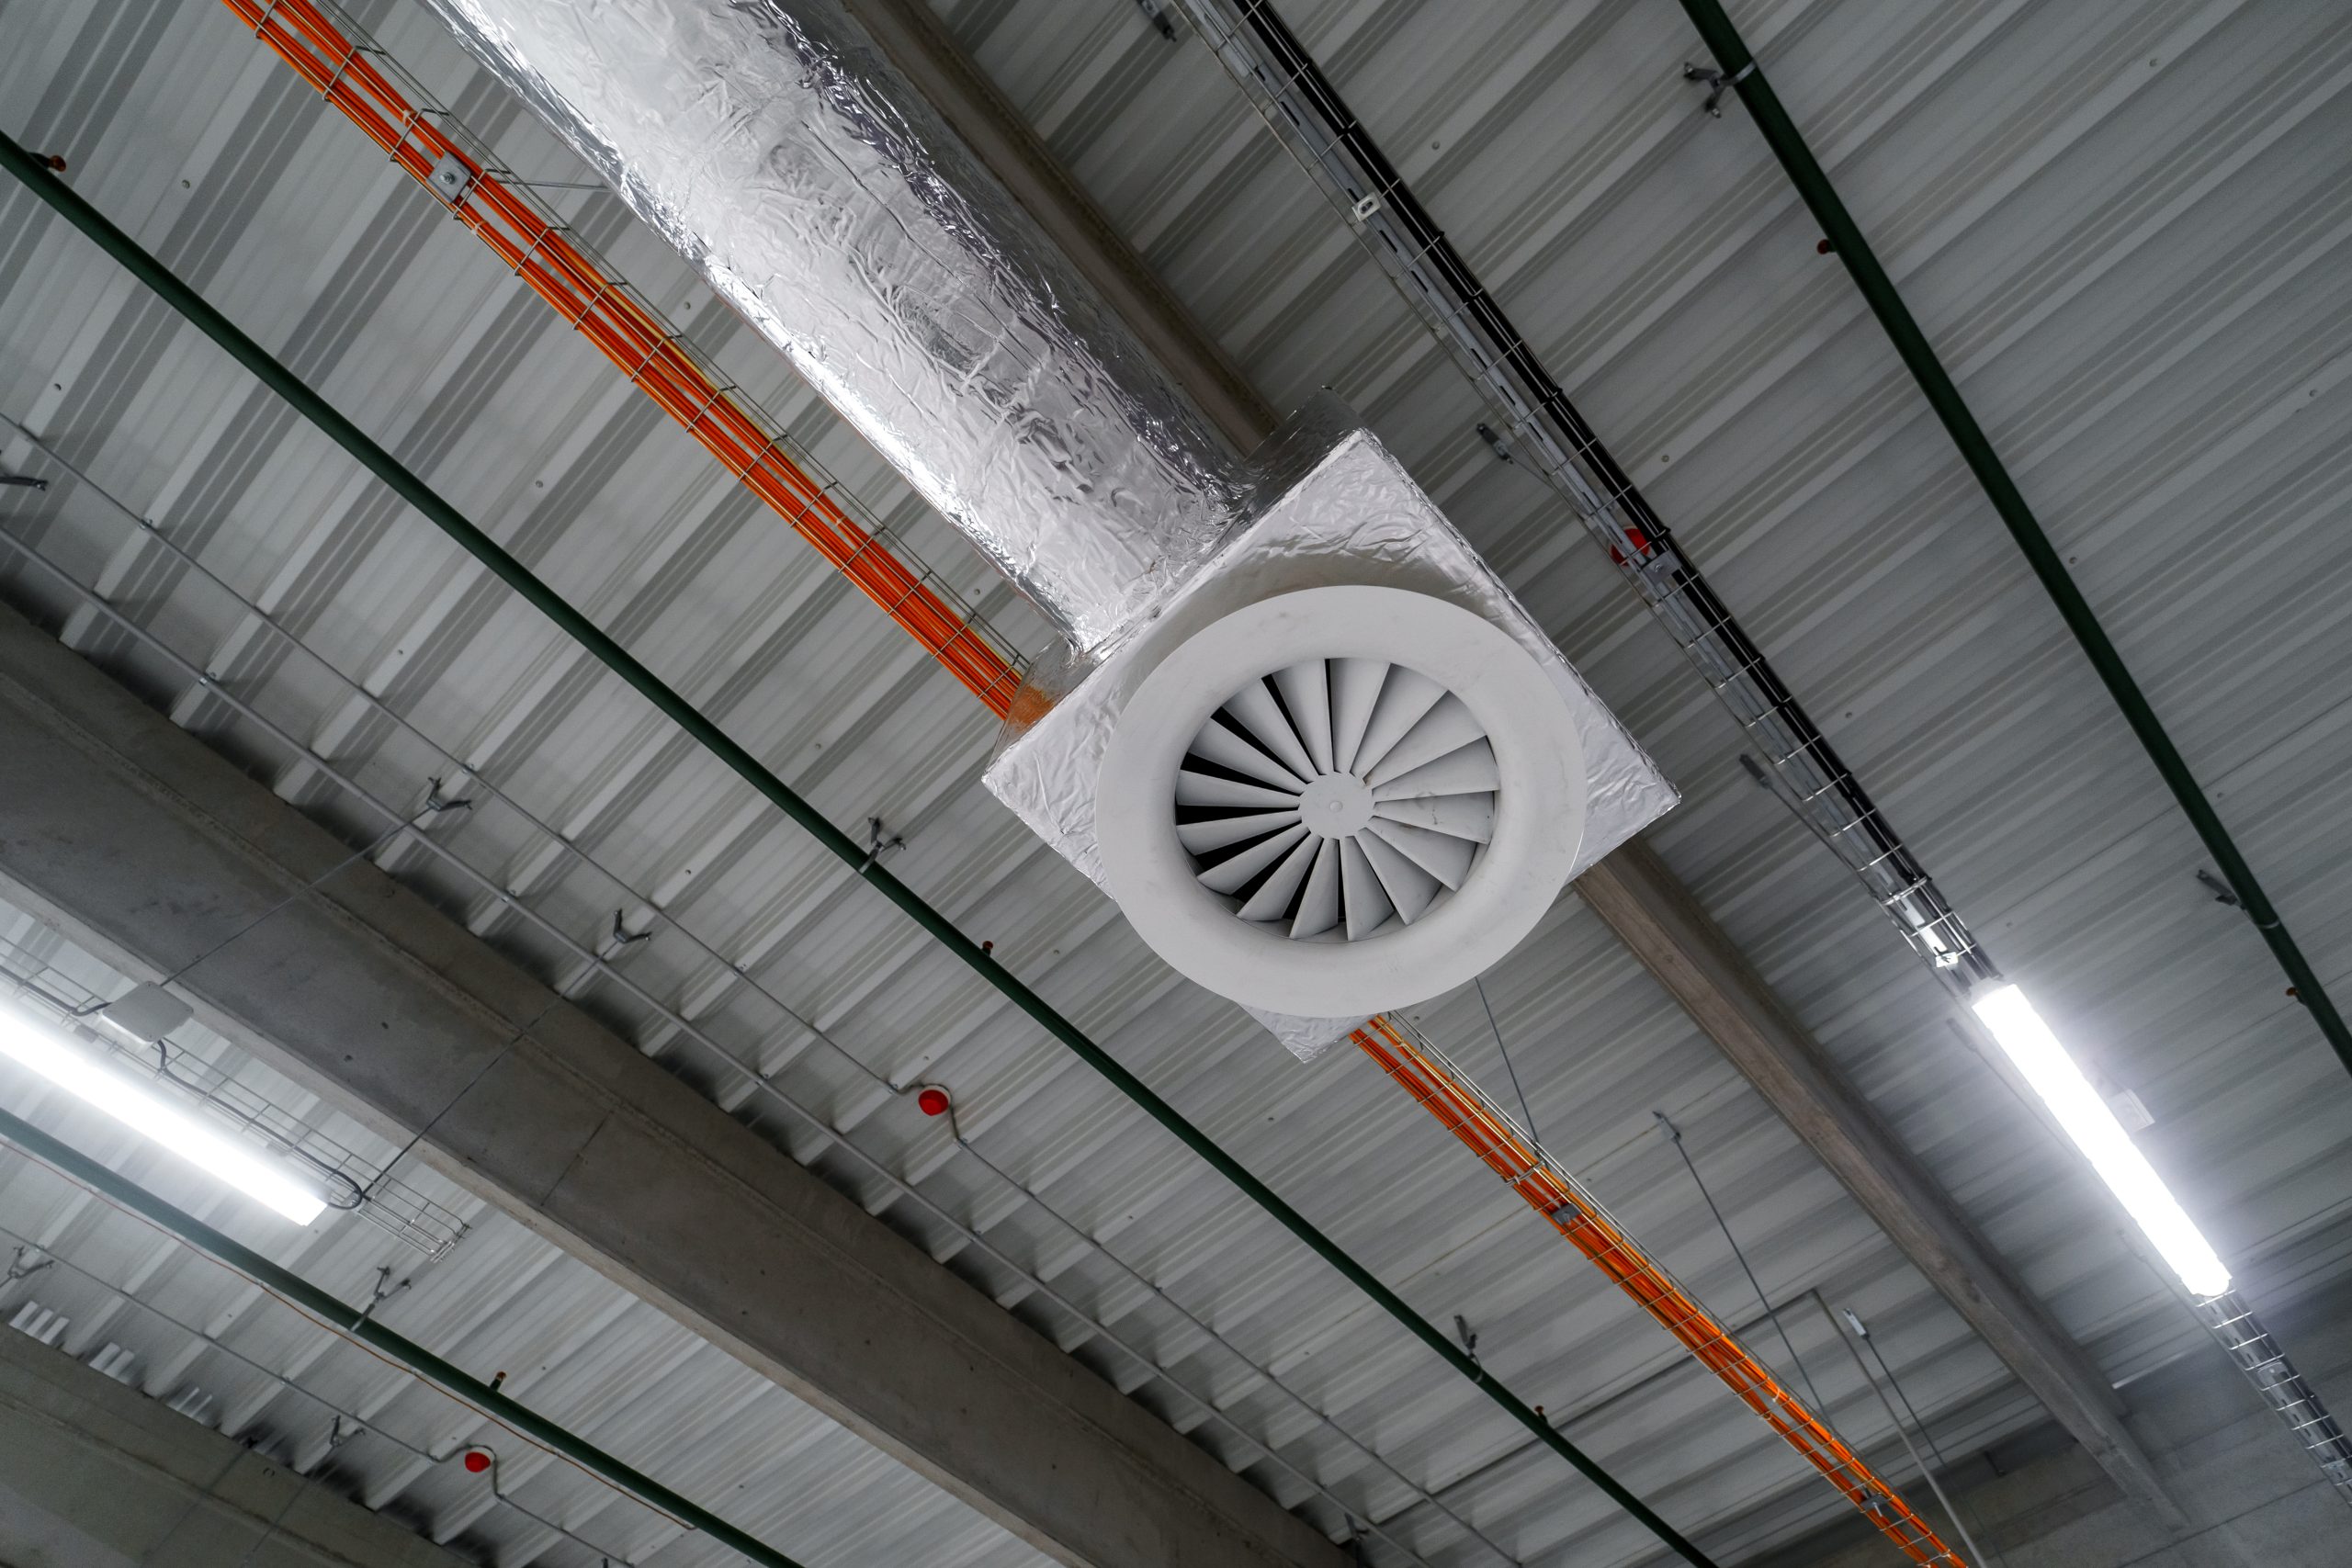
[
  {"x": 500, "y": 1303},
  {"x": 2125, "y": 227}
]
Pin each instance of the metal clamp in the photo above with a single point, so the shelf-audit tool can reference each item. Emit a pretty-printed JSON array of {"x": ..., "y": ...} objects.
[{"x": 1717, "y": 83}]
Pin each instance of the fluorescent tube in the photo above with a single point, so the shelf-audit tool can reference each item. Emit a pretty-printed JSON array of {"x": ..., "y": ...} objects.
[
  {"x": 2043, "y": 1063},
  {"x": 42, "y": 1050}
]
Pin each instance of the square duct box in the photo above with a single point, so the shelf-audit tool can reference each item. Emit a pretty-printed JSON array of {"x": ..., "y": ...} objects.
[{"x": 1338, "y": 770}]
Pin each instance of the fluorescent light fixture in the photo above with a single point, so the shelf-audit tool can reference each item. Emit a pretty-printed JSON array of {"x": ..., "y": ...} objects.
[
  {"x": 2043, "y": 1063},
  {"x": 42, "y": 1050}
]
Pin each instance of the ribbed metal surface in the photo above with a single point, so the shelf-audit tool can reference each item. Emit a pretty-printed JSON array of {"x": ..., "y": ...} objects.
[
  {"x": 2126, "y": 228},
  {"x": 502, "y": 1304}
]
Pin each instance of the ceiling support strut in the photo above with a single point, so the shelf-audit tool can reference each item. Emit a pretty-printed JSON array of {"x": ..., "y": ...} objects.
[{"x": 406, "y": 483}]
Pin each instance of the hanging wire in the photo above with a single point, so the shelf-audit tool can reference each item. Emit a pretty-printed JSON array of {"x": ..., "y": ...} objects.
[
  {"x": 1674, "y": 1135},
  {"x": 434, "y": 806},
  {"x": 1926, "y": 1432},
  {"x": 1504, "y": 1051},
  {"x": 1862, "y": 1332}
]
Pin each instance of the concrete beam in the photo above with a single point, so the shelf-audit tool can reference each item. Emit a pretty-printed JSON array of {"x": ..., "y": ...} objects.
[
  {"x": 151, "y": 851},
  {"x": 1651, "y": 911},
  {"x": 94, "y": 1474},
  {"x": 1658, "y": 919}
]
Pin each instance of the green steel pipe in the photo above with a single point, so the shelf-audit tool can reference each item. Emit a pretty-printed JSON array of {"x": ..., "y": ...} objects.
[
  {"x": 353, "y": 1323},
  {"x": 1845, "y": 237},
  {"x": 45, "y": 183}
]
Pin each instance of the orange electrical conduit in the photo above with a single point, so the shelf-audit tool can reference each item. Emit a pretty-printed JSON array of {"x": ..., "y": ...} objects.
[
  {"x": 1449, "y": 1095},
  {"x": 604, "y": 309}
]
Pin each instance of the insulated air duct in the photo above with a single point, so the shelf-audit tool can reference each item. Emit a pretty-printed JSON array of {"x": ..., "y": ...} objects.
[
  {"x": 826, "y": 200},
  {"x": 1305, "y": 737}
]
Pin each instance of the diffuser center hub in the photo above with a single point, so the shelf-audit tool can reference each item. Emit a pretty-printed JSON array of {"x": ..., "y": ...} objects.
[{"x": 1335, "y": 806}]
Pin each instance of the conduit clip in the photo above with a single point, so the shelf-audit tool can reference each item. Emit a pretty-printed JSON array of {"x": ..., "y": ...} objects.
[
  {"x": 2217, "y": 888},
  {"x": 1717, "y": 83},
  {"x": 624, "y": 937},
  {"x": 435, "y": 801},
  {"x": 1157, "y": 19},
  {"x": 877, "y": 845},
  {"x": 1469, "y": 1337}
]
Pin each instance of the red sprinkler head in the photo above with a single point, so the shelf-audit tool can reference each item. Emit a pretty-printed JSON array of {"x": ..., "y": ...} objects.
[
  {"x": 931, "y": 1102},
  {"x": 476, "y": 1460}
]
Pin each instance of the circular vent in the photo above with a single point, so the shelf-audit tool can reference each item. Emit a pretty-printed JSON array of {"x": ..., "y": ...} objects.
[
  {"x": 1340, "y": 801},
  {"x": 1337, "y": 797}
]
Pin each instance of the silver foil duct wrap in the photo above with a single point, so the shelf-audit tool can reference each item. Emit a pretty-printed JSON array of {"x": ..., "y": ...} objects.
[{"x": 823, "y": 197}]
